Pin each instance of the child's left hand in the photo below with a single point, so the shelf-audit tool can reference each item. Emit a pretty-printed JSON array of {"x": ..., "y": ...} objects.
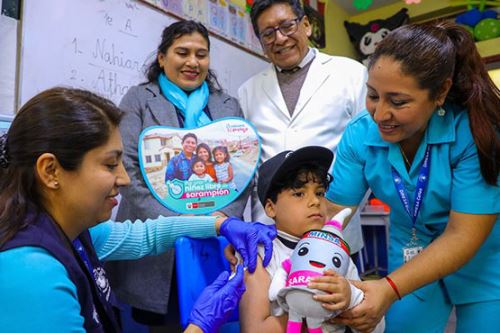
[{"x": 337, "y": 289}]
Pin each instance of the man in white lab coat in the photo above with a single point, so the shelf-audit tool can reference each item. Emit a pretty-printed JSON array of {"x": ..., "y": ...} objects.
[{"x": 304, "y": 97}]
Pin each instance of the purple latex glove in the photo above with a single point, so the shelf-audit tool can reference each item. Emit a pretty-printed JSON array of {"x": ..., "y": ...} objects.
[
  {"x": 246, "y": 236},
  {"x": 217, "y": 301}
]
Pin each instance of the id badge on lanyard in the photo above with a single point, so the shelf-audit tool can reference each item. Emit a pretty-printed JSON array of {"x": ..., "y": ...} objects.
[{"x": 414, "y": 246}]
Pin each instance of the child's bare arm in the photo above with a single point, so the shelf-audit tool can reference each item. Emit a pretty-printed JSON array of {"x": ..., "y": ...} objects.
[
  {"x": 255, "y": 308},
  {"x": 229, "y": 173},
  {"x": 337, "y": 289}
]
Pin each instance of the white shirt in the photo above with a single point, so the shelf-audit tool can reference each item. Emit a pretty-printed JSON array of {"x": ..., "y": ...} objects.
[
  {"x": 333, "y": 93},
  {"x": 205, "y": 177}
]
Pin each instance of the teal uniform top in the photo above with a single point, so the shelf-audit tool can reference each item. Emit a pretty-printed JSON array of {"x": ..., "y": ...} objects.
[
  {"x": 364, "y": 161},
  {"x": 32, "y": 280}
]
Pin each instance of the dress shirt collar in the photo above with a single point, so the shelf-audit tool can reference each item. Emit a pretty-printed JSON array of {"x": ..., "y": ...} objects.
[{"x": 311, "y": 54}]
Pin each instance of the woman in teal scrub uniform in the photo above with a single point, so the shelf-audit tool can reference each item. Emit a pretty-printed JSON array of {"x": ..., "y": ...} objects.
[{"x": 429, "y": 147}]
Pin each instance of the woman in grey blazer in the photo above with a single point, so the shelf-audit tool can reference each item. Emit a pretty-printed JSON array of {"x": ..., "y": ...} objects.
[{"x": 183, "y": 92}]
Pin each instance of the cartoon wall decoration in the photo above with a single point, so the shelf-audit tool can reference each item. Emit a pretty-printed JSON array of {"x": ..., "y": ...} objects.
[
  {"x": 366, "y": 37},
  {"x": 199, "y": 170}
]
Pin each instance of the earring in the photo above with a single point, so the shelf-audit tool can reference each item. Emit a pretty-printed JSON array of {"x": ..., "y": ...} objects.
[
  {"x": 440, "y": 111},
  {"x": 56, "y": 184}
]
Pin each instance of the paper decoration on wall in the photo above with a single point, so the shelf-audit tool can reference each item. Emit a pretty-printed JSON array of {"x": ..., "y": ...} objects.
[
  {"x": 223, "y": 160},
  {"x": 471, "y": 3},
  {"x": 237, "y": 24},
  {"x": 173, "y": 6},
  {"x": 488, "y": 28},
  {"x": 482, "y": 23},
  {"x": 218, "y": 16},
  {"x": 196, "y": 10},
  {"x": 225, "y": 18},
  {"x": 248, "y": 5},
  {"x": 366, "y": 37},
  {"x": 315, "y": 11},
  {"x": 362, "y": 4}
]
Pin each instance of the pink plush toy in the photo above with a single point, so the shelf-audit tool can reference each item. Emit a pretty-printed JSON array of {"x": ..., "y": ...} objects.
[{"x": 317, "y": 251}]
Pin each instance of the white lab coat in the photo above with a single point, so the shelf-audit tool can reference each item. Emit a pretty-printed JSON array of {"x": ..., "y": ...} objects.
[{"x": 333, "y": 92}]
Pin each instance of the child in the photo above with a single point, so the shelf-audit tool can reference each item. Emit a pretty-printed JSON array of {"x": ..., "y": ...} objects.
[
  {"x": 223, "y": 168},
  {"x": 203, "y": 152},
  {"x": 199, "y": 170},
  {"x": 291, "y": 187}
]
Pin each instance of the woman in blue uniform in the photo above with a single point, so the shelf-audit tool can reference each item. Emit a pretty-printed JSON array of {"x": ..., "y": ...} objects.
[
  {"x": 429, "y": 147},
  {"x": 60, "y": 172}
]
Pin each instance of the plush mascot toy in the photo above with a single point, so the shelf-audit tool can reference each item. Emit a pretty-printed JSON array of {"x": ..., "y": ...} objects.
[
  {"x": 317, "y": 251},
  {"x": 366, "y": 37}
]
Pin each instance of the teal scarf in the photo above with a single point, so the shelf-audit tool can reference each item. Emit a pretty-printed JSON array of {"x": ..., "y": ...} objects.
[{"x": 191, "y": 106}]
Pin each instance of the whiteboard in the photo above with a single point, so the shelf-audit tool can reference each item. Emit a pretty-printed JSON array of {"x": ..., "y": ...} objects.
[
  {"x": 104, "y": 46},
  {"x": 8, "y": 54}
]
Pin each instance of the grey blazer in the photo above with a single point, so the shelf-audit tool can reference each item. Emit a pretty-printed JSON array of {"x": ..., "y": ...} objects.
[{"x": 145, "y": 283}]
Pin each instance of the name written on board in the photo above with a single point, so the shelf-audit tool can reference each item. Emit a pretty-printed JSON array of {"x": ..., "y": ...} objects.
[{"x": 108, "y": 68}]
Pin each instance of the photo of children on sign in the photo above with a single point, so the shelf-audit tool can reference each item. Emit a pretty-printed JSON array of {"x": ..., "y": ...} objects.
[{"x": 197, "y": 171}]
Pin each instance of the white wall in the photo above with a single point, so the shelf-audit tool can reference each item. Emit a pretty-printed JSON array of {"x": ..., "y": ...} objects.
[
  {"x": 8, "y": 54},
  {"x": 104, "y": 46}
]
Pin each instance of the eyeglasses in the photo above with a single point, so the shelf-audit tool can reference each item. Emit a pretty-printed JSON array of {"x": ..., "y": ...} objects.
[{"x": 287, "y": 28}]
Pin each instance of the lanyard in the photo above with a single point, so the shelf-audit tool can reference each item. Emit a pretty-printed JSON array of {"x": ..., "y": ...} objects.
[
  {"x": 423, "y": 177},
  {"x": 77, "y": 244}
]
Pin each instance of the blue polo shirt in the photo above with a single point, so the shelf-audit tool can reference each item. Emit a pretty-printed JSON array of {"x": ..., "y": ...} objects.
[
  {"x": 179, "y": 167},
  {"x": 364, "y": 161}
]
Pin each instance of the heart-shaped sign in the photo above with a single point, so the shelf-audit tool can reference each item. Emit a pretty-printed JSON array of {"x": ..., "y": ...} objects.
[{"x": 200, "y": 170}]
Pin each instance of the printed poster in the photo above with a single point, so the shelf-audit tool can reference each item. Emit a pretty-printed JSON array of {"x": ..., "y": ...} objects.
[{"x": 198, "y": 171}]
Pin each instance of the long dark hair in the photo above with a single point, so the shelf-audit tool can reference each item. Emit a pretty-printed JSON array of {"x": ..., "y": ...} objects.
[
  {"x": 432, "y": 53},
  {"x": 65, "y": 122},
  {"x": 224, "y": 150},
  {"x": 207, "y": 148},
  {"x": 169, "y": 35}
]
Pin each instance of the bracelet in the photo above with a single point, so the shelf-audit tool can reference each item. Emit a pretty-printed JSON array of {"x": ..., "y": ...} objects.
[{"x": 393, "y": 286}]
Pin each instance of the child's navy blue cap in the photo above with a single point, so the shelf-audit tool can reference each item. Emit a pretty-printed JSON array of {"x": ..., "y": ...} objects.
[{"x": 280, "y": 164}]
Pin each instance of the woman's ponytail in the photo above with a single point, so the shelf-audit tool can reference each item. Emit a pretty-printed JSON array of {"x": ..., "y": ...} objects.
[{"x": 473, "y": 88}]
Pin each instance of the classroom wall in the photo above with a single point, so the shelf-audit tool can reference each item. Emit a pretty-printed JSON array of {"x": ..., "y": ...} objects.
[
  {"x": 337, "y": 40},
  {"x": 8, "y": 55},
  {"x": 495, "y": 76},
  {"x": 110, "y": 53},
  {"x": 420, "y": 12}
]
